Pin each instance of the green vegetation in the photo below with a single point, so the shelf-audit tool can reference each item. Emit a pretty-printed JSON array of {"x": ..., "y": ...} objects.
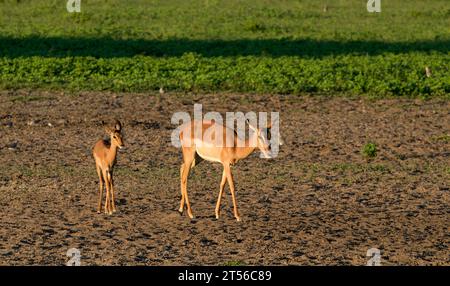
[
  {"x": 266, "y": 46},
  {"x": 369, "y": 150},
  {"x": 444, "y": 138},
  {"x": 234, "y": 263}
]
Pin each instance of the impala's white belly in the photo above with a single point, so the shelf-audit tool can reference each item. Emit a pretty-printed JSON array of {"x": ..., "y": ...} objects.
[
  {"x": 208, "y": 158},
  {"x": 207, "y": 151}
]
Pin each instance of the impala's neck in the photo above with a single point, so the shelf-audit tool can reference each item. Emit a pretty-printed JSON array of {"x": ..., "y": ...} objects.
[
  {"x": 244, "y": 152},
  {"x": 112, "y": 152}
]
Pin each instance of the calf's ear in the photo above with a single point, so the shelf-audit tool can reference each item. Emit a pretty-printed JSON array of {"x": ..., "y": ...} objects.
[{"x": 118, "y": 125}]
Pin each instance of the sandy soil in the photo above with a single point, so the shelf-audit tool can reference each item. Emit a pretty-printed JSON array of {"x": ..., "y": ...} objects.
[{"x": 319, "y": 202}]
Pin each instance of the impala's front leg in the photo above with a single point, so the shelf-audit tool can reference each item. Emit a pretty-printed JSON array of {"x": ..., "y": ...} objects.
[
  {"x": 222, "y": 185},
  {"x": 108, "y": 192},
  {"x": 113, "y": 204},
  {"x": 100, "y": 189},
  {"x": 107, "y": 198},
  {"x": 227, "y": 170}
]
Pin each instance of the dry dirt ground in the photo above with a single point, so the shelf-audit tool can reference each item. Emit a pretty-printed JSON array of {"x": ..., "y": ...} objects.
[{"x": 320, "y": 202}]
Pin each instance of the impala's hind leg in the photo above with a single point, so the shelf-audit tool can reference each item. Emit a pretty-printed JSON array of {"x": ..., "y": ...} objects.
[
  {"x": 185, "y": 175},
  {"x": 188, "y": 158}
]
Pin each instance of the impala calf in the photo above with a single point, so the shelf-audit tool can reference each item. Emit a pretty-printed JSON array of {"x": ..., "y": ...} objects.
[{"x": 105, "y": 152}]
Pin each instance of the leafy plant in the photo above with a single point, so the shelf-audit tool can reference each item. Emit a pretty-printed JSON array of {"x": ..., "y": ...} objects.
[{"x": 369, "y": 150}]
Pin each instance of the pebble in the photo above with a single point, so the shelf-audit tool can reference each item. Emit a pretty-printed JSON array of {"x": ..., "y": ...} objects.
[
  {"x": 61, "y": 122},
  {"x": 12, "y": 146}
]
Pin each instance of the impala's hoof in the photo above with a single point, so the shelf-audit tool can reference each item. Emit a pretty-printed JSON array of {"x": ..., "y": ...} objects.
[
  {"x": 180, "y": 210},
  {"x": 191, "y": 216},
  {"x": 217, "y": 216},
  {"x": 238, "y": 218}
]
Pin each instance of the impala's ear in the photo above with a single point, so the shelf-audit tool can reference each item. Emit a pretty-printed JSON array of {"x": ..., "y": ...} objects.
[
  {"x": 249, "y": 125},
  {"x": 118, "y": 125}
]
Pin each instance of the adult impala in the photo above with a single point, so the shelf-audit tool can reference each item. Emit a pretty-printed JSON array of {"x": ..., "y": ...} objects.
[
  {"x": 203, "y": 145},
  {"x": 105, "y": 153}
]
